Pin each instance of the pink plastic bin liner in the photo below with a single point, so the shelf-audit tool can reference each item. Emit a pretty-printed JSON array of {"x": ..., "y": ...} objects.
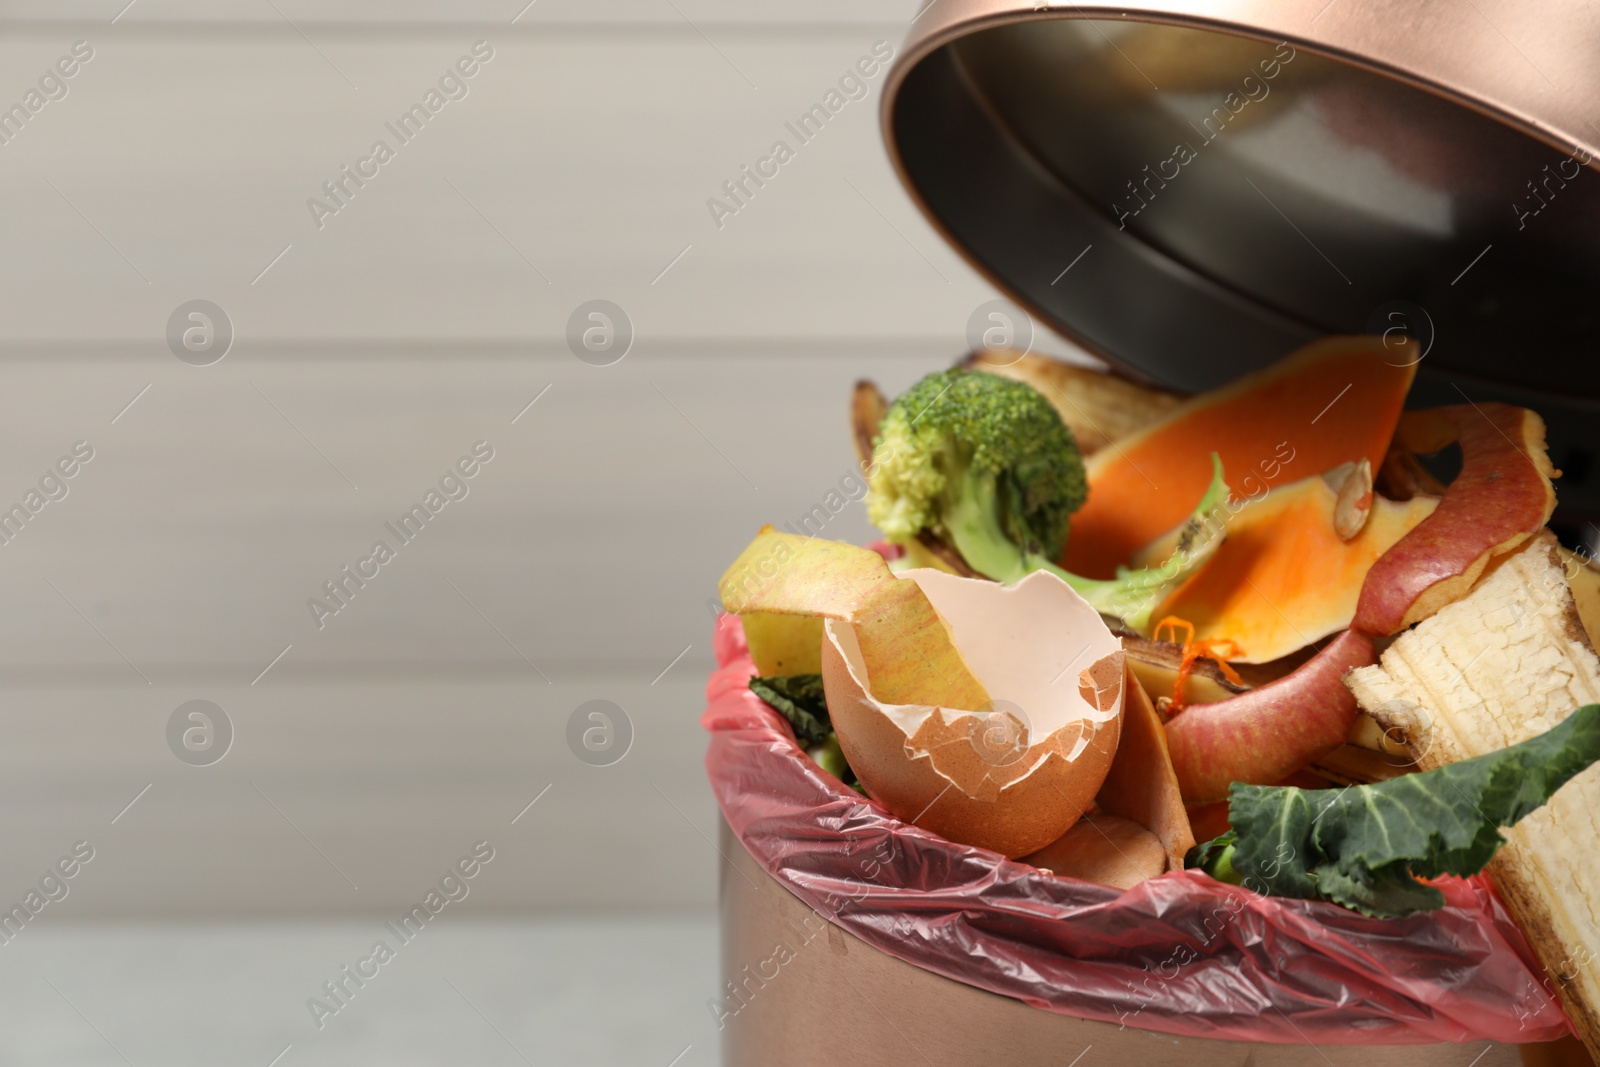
[{"x": 1181, "y": 954}]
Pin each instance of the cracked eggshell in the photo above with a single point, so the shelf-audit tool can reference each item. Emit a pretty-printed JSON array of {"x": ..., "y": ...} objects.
[{"x": 1013, "y": 777}]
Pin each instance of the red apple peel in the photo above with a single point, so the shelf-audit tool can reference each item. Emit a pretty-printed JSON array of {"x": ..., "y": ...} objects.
[
  {"x": 1265, "y": 735},
  {"x": 1502, "y": 497}
]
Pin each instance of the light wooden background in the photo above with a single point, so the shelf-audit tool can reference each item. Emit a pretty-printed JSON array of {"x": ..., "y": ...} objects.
[{"x": 423, "y": 317}]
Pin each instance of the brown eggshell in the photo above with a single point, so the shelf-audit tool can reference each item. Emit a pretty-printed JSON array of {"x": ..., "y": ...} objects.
[
  {"x": 1104, "y": 849},
  {"x": 1016, "y": 776}
]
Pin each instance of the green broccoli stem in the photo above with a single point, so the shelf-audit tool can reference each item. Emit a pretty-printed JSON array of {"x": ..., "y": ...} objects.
[
  {"x": 830, "y": 757},
  {"x": 1222, "y": 869},
  {"x": 971, "y": 520},
  {"x": 1132, "y": 596}
]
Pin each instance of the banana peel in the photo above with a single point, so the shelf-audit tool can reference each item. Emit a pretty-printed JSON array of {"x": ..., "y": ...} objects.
[{"x": 1509, "y": 660}]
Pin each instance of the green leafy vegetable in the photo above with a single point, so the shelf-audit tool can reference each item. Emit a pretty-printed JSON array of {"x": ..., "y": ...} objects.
[
  {"x": 1215, "y": 857},
  {"x": 798, "y": 698},
  {"x": 1366, "y": 846}
]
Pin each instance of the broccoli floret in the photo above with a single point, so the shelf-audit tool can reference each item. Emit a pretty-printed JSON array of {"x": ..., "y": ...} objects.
[
  {"x": 981, "y": 453},
  {"x": 985, "y": 465}
]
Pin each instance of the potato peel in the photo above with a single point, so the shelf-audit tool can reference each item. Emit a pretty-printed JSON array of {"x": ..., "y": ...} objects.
[
  {"x": 1106, "y": 850},
  {"x": 1141, "y": 785}
]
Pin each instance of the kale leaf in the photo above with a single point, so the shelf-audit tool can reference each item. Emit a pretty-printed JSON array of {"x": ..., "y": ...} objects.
[
  {"x": 798, "y": 698},
  {"x": 1365, "y": 846}
]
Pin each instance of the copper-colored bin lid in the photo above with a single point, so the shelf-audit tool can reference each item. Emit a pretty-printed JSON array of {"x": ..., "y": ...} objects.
[{"x": 1191, "y": 190}]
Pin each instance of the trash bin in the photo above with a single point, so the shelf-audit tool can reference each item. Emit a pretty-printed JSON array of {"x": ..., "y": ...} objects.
[
  {"x": 1190, "y": 190},
  {"x": 849, "y": 936}
]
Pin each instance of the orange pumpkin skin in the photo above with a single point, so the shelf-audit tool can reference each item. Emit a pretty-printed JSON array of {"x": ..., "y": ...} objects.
[
  {"x": 1283, "y": 578},
  {"x": 1331, "y": 402}
]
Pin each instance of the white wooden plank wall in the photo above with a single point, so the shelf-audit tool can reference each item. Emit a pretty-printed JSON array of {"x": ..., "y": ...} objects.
[{"x": 369, "y": 355}]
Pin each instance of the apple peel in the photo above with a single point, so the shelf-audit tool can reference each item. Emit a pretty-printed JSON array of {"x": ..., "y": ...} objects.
[
  {"x": 783, "y": 644},
  {"x": 1015, "y": 774},
  {"x": 1502, "y": 497},
  {"x": 1263, "y": 736},
  {"x": 902, "y": 637}
]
